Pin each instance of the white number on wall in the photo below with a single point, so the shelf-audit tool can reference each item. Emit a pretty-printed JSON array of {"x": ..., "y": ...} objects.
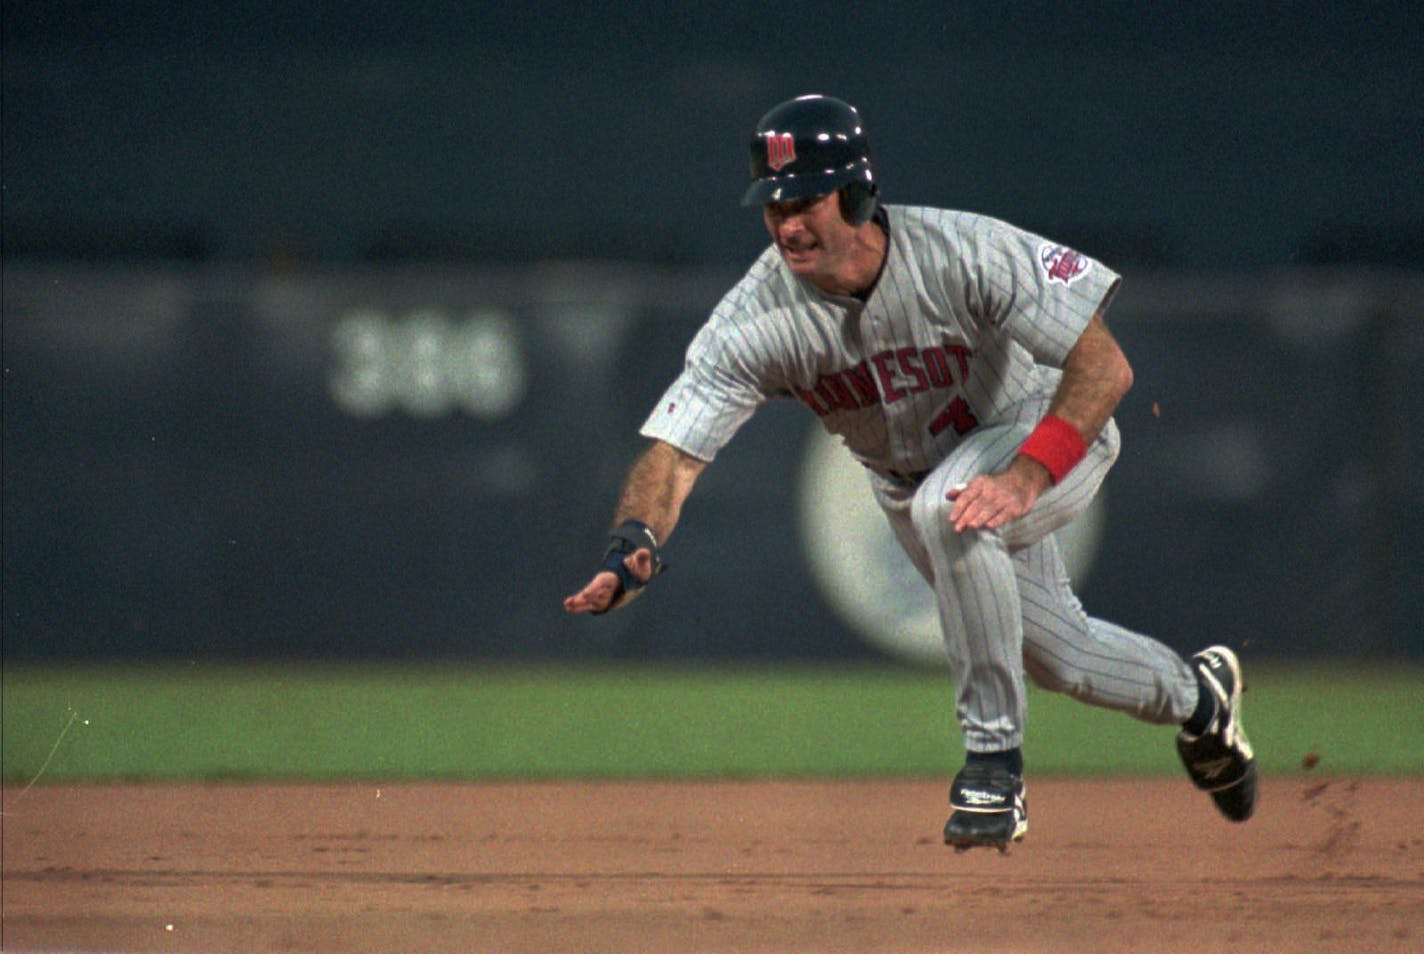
[{"x": 427, "y": 365}]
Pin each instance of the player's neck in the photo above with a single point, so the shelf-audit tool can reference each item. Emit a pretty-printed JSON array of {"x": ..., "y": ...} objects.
[{"x": 860, "y": 268}]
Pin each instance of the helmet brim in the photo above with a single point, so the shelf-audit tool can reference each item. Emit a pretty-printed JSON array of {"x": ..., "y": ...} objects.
[{"x": 783, "y": 188}]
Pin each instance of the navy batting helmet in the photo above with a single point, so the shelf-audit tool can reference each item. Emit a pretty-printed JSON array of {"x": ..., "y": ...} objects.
[{"x": 810, "y": 146}]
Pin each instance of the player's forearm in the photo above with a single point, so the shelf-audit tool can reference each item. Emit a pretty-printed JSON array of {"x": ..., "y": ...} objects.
[
  {"x": 656, "y": 487},
  {"x": 1096, "y": 375}
]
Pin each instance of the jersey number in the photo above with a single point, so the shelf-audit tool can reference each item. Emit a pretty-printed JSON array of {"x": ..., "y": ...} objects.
[{"x": 957, "y": 415}]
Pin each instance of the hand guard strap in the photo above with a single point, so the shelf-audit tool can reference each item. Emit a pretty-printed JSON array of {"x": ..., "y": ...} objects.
[{"x": 630, "y": 535}]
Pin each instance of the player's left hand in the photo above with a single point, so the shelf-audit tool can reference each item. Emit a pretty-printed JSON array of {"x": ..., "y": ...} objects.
[{"x": 991, "y": 500}]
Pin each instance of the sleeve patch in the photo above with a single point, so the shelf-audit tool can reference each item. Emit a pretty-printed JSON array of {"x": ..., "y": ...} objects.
[{"x": 1062, "y": 264}]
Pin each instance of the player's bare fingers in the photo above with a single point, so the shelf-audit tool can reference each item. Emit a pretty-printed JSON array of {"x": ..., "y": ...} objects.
[
  {"x": 973, "y": 517},
  {"x": 990, "y": 509},
  {"x": 965, "y": 497},
  {"x": 1008, "y": 509},
  {"x": 963, "y": 516},
  {"x": 989, "y": 514},
  {"x": 580, "y": 602},
  {"x": 595, "y": 596},
  {"x": 586, "y": 604}
]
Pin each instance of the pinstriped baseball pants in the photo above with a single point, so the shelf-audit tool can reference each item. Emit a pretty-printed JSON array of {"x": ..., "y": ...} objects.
[{"x": 1007, "y": 609}]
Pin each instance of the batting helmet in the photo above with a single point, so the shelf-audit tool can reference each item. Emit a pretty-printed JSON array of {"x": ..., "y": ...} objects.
[{"x": 810, "y": 146}]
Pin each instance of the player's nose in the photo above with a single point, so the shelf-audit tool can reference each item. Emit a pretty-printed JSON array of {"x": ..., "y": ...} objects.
[{"x": 791, "y": 225}]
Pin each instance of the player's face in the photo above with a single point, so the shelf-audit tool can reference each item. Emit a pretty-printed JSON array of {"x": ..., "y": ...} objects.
[{"x": 814, "y": 239}]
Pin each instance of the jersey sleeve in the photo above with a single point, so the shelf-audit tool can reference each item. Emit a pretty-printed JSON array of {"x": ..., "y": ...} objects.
[
  {"x": 716, "y": 393},
  {"x": 1042, "y": 293}
]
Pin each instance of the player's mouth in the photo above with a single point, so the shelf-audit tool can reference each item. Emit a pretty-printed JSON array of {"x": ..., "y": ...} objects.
[{"x": 798, "y": 250}]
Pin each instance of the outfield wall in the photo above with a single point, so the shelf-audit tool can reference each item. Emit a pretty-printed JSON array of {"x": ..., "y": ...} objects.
[{"x": 417, "y": 462}]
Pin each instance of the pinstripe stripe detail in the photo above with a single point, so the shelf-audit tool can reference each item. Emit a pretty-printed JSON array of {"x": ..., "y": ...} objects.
[
  {"x": 967, "y": 281},
  {"x": 950, "y": 278},
  {"x": 1093, "y": 660},
  {"x": 1006, "y": 614}
]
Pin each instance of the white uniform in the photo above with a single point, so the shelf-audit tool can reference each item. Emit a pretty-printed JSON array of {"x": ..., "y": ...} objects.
[{"x": 938, "y": 376}]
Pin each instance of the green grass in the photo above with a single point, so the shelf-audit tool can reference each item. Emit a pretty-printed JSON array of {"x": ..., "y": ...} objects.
[{"x": 473, "y": 721}]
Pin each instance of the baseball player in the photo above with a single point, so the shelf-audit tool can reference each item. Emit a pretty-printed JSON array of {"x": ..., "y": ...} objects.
[{"x": 966, "y": 364}]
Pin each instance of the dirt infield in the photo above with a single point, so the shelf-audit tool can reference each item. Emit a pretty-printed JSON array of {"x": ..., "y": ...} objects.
[{"x": 1113, "y": 865}]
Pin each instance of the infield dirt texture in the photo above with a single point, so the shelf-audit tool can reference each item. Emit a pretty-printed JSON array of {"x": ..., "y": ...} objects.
[{"x": 1328, "y": 864}]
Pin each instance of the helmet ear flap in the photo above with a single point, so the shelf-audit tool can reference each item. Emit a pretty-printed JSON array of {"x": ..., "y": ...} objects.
[{"x": 858, "y": 201}]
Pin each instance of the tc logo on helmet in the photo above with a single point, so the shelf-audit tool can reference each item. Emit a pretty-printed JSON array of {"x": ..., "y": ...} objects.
[{"x": 780, "y": 150}]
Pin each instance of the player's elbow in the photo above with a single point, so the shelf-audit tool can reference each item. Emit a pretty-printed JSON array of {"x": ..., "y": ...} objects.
[
  {"x": 1122, "y": 375},
  {"x": 1111, "y": 375},
  {"x": 1113, "y": 368}
]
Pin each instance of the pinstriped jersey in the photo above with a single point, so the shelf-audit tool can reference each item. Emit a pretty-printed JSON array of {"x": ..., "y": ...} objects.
[{"x": 967, "y": 325}]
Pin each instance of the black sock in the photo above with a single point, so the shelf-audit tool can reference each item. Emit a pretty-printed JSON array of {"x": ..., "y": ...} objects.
[
  {"x": 1200, "y": 720},
  {"x": 1012, "y": 759}
]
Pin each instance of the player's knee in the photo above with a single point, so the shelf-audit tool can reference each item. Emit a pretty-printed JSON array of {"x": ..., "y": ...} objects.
[{"x": 930, "y": 508}]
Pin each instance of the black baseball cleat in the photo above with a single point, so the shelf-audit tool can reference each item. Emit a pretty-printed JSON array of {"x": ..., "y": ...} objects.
[
  {"x": 1220, "y": 760},
  {"x": 989, "y": 808}
]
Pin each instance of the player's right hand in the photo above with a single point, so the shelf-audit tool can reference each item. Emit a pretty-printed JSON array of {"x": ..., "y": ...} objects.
[
  {"x": 596, "y": 594},
  {"x": 600, "y": 592}
]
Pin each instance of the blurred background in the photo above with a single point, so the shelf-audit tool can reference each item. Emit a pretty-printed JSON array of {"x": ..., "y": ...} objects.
[{"x": 327, "y": 328}]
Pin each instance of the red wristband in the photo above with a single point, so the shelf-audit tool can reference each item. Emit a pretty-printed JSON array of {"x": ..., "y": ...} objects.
[{"x": 1056, "y": 445}]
